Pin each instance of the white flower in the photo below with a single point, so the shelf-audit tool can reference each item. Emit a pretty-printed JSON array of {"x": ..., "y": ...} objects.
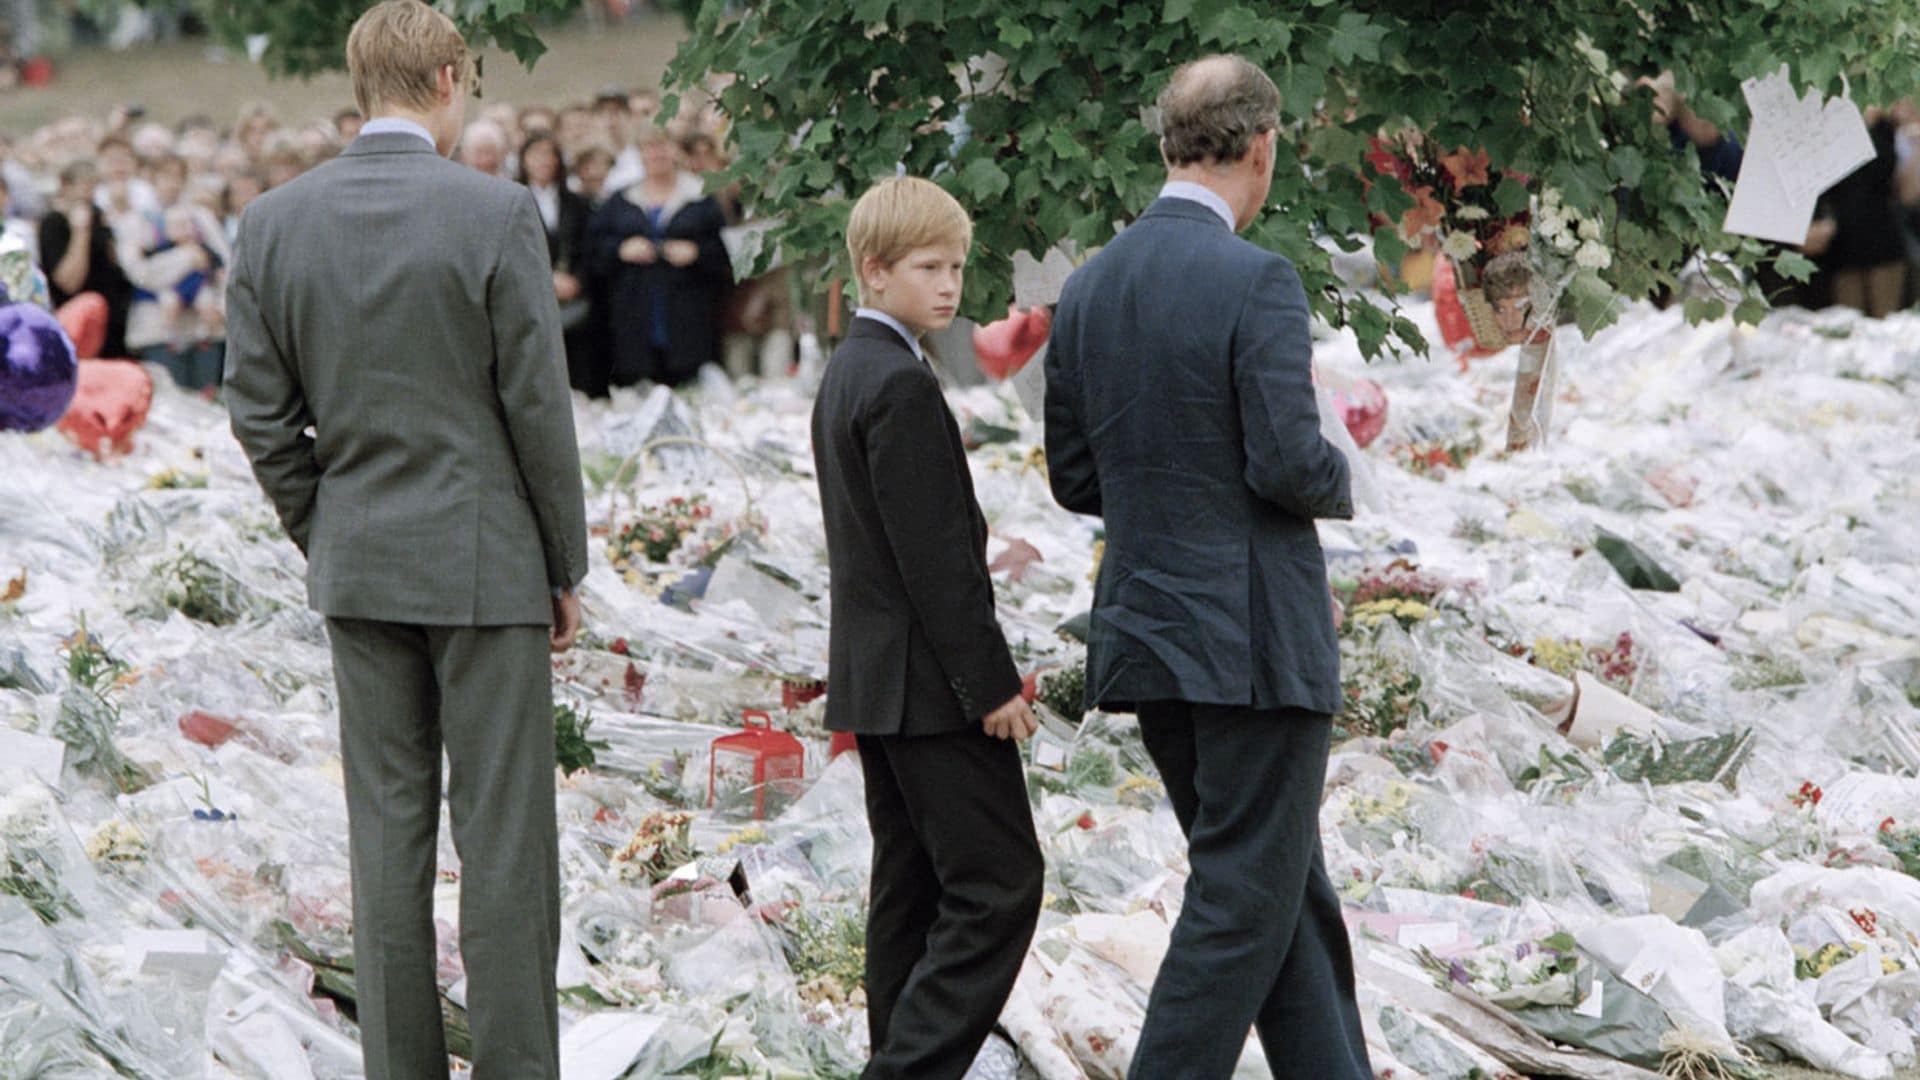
[
  {"x": 1549, "y": 224},
  {"x": 1550, "y": 198},
  {"x": 1471, "y": 213},
  {"x": 1593, "y": 256},
  {"x": 1459, "y": 245},
  {"x": 1566, "y": 241},
  {"x": 1589, "y": 229}
]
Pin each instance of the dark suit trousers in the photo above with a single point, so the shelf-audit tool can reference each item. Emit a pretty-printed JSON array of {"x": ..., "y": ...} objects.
[
  {"x": 485, "y": 694},
  {"x": 1260, "y": 941},
  {"x": 957, "y": 880}
]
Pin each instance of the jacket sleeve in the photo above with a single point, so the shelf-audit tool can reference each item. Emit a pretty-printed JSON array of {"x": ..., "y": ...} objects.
[
  {"x": 1289, "y": 463},
  {"x": 920, "y": 485},
  {"x": 1070, "y": 467},
  {"x": 530, "y": 375},
  {"x": 604, "y": 237},
  {"x": 266, "y": 404}
]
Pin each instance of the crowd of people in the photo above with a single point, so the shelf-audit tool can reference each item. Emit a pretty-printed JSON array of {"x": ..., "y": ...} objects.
[{"x": 144, "y": 215}]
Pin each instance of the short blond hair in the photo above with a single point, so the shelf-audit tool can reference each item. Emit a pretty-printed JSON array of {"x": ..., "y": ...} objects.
[
  {"x": 396, "y": 49},
  {"x": 900, "y": 214}
]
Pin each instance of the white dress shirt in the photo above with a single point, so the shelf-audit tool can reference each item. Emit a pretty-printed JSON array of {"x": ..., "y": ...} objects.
[
  {"x": 548, "y": 199},
  {"x": 898, "y": 327},
  {"x": 1200, "y": 193},
  {"x": 386, "y": 125}
]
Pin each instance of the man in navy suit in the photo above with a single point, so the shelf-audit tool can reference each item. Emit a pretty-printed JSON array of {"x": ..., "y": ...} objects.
[{"x": 1180, "y": 408}]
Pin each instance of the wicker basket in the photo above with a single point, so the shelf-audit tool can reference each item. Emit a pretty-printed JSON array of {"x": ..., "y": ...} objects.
[{"x": 1481, "y": 320}]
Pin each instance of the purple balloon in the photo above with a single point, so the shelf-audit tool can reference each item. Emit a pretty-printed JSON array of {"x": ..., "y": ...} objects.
[{"x": 38, "y": 373}]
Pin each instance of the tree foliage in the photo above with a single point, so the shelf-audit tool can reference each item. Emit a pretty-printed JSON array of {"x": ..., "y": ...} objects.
[
  {"x": 305, "y": 37},
  {"x": 826, "y": 98}
]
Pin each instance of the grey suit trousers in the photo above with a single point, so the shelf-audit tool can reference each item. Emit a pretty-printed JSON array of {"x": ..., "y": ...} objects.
[{"x": 485, "y": 695}]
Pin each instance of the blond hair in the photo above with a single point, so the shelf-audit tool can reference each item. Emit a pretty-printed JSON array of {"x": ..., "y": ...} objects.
[
  {"x": 395, "y": 51},
  {"x": 900, "y": 214}
]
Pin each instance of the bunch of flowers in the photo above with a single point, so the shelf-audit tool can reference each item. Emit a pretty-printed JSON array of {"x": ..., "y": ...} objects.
[
  {"x": 1455, "y": 199},
  {"x": 30, "y": 857},
  {"x": 827, "y": 949},
  {"x": 1515, "y": 976},
  {"x": 1382, "y": 695},
  {"x": 656, "y": 533},
  {"x": 1904, "y": 843},
  {"x": 662, "y": 844},
  {"x": 1568, "y": 236},
  {"x": 1436, "y": 457},
  {"x": 1616, "y": 664},
  {"x": 1399, "y": 591}
]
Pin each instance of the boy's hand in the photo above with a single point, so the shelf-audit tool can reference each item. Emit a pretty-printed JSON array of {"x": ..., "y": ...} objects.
[{"x": 1014, "y": 720}]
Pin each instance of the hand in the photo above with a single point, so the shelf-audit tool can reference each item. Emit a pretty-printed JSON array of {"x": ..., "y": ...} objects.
[
  {"x": 1666, "y": 99},
  {"x": 80, "y": 216},
  {"x": 1819, "y": 237},
  {"x": 638, "y": 250},
  {"x": 566, "y": 287},
  {"x": 681, "y": 252},
  {"x": 1014, "y": 720},
  {"x": 566, "y": 620},
  {"x": 201, "y": 259}
]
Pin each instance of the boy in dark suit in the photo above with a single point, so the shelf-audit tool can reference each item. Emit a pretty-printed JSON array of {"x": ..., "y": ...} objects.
[{"x": 919, "y": 668}]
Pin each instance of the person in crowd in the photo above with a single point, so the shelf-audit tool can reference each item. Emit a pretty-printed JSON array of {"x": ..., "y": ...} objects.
[
  {"x": 591, "y": 167},
  {"x": 484, "y": 147},
  {"x": 253, "y": 127},
  {"x": 177, "y": 319},
  {"x": 1720, "y": 151},
  {"x": 658, "y": 245},
  {"x": 240, "y": 191},
  {"x": 77, "y": 251},
  {"x": 121, "y": 190},
  {"x": 921, "y": 667},
  {"x": 1183, "y": 414},
  {"x": 565, "y": 214},
  {"x": 1855, "y": 239},
  {"x": 701, "y": 152},
  {"x": 612, "y": 110},
  {"x": 284, "y": 161},
  {"x": 538, "y": 118},
  {"x": 15, "y": 224},
  {"x": 438, "y": 500},
  {"x": 577, "y": 127},
  {"x": 347, "y": 124},
  {"x": 27, "y": 200}
]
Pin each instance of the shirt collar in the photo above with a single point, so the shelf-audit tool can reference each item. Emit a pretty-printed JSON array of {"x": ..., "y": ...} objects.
[
  {"x": 1200, "y": 193},
  {"x": 384, "y": 125},
  {"x": 898, "y": 327}
]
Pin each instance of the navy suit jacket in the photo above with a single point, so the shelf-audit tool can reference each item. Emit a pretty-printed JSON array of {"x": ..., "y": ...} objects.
[
  {"x": 1180, "y": 408},
  {"x": 915, "y": 648}
]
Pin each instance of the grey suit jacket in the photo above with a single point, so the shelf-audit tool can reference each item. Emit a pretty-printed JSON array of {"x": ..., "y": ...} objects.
[
  {"x": 396, "y": 374},
  {"x": 1180, "y": 408}
]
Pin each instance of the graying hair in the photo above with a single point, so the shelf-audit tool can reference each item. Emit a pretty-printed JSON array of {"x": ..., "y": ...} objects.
[{"x": 1213, "y": 109}]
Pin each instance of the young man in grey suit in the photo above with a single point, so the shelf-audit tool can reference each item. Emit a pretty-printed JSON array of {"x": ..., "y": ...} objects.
[
  {"x": 1180, "y": 408},
  {"x": 397, "y": 376}
]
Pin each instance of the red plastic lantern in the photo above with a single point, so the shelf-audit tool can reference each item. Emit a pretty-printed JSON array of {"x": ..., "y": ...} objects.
[
  {"x": 795, "y": 693},
  {"x": 757, "y": 759}
]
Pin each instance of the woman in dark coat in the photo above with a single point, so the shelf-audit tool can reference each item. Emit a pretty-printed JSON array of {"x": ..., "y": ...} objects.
[
  {"x": 566, "y": 214},
  {"x": 658, "y": 245}
]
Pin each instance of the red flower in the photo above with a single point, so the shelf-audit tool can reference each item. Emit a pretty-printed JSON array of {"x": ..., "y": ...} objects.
[
  {"x": 1887, "y": 825},
  {"x": 1808, "y": 795},
  {"x": 619, "y": 646},
  {"x": 1086, "y": 819},
  {"x": 1386, "y": 162},
  {"x": 1865, "y": 919}
]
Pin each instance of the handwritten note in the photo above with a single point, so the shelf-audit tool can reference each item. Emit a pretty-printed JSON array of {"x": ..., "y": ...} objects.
[{"x": 1799, "y": 147}]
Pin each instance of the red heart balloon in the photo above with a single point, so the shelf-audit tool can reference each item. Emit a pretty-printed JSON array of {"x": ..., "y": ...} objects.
[{"x": 1004, "y": 347}]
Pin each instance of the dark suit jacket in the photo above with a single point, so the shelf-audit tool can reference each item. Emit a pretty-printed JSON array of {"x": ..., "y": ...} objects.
[
  {"x": 402, "y": 307},
  {"x": 915, "y": 648},
  {"x": 567, "y": 246},
  {"x": 1180, "y": 408},
  {"x": 693, "y": 293}
]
